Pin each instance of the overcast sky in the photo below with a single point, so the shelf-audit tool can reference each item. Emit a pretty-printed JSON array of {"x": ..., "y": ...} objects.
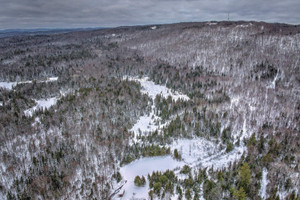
[{"x": 111, "y": 13}]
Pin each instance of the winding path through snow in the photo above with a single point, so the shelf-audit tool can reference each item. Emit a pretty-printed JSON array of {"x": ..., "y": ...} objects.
[
  {"x": 10, "y": 85},
  {"x": 152, "y": 122}
]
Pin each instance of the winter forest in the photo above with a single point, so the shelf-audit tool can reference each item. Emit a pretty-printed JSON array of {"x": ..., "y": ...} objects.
[{"x": 188, "y": 111}]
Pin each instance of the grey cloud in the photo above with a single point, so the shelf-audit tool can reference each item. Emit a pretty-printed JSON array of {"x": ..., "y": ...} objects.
[{"x": 107, "y": 13}]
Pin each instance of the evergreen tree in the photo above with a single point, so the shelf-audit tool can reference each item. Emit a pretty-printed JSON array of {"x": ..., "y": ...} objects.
[
  {"x": 239, "y": 194},
  {"x": 245, "y": 176}
]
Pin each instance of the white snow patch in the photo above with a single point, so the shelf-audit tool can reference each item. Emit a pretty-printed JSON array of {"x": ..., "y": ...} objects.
[
  {"x": 283, "y": 193},
  {"x": 234, "y": 101},
  {"x": 252, "y": 108},
  {"x": 194, "y": 150},
  {"x": 146, "y": 124},
  {"x": 143, "y": 167},
  {"x": 152, "y": 89},
  {"x": 273, "y": 84},
  {"x": 65, "y": 92},
  {"x": 153, "y": 27},
  {"x": 10, "y": 85},
  {"x": 201, "y": 192},
  {"x": 223, "y": 159},
  {"x": 52, "y": 79},
  {"x": 211, "y": 24},
  {"x": 36, "y": 121},
  {"x": 152, "y": 122},
  {"x": 243, "y": 25},
  {"x": 41, "y": 104},
  {"x": 8, "y": 61},
  {"x": 264, "y": 183},
  {"x": 245, "y": 132}
]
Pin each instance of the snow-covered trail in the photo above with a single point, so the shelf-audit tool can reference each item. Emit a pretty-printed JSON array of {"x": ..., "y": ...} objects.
[
  {"x": 264, "y": 184},
  {"x": 10, "y": 85}
]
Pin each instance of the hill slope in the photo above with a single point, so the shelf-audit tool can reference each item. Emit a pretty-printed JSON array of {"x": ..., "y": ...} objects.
[{"x": 222, "y": 102}]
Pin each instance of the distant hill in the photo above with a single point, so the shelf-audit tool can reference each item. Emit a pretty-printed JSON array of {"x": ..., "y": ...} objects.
[{"x": 40, "y": 31}]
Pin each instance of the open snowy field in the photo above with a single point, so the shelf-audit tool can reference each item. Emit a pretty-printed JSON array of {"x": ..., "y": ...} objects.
[{"x": 143, "y": 167}]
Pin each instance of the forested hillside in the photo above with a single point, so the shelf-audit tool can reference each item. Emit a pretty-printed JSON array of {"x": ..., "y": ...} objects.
[{"x": 183, "y": 111}]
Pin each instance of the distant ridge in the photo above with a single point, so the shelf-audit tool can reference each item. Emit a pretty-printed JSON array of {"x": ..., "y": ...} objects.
[{"x": 43, "y": 31}]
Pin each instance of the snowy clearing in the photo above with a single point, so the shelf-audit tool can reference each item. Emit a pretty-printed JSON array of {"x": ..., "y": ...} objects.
[
  {"x": 203, "y": 153},
  {"x": 197, "y": 152},
  {"x": 152, "y": 89},
  {"x": 10, "y": 85},
  {"x": 151, "y": 122},
  {"x": 143, "y": 167},
  {"x": 223, "y": 159},
  {"x": 41, "y": 104},
  {"x": 46, "y": 103},
  {"x": 194, "y": 150},
  {"x": 146, "y": 124},
  {"x": 264, "y": 184}
]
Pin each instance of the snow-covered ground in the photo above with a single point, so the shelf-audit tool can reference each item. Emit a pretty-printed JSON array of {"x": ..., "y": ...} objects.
[
  {"x": 204, "y": 153},
  {"x": 152, "y": 122},
  {"x": 283, "y": 192},
  {"x": 264, "y": 184},
  {"x": 41, "y": 104},
  {"x": 143, "y": 167},
  {"x": 197, "y": 152},
  {"x": 10, "y": 85},
  {"x": 194, "y": 150},
  {"x": 145, "y": 124},
  {"x": 152, "y": 89},
  {"x": 223, "y": 159},
  {"x": 46, "y": 103},
  {"x": 273, "y": 84}
]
